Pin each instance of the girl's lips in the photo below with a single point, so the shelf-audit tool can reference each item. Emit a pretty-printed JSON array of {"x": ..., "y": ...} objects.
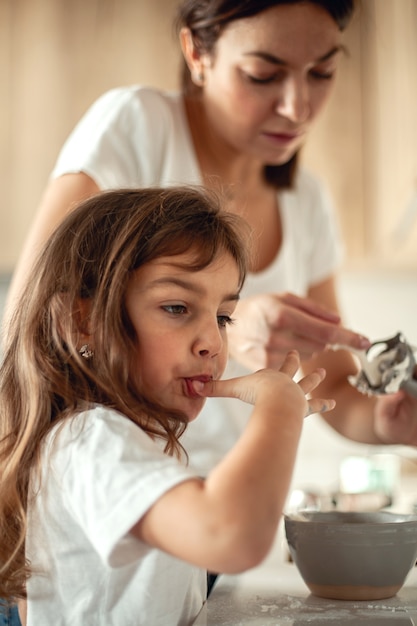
[{"x": 189, "y": 386}]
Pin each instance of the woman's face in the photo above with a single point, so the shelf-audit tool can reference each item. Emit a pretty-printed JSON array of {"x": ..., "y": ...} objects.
[
  {"x": 269, "y": 77},
  {"x": 180, "y": 318}
]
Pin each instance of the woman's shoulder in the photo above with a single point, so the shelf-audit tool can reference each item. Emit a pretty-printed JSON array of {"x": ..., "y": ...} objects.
[
  {"x": 310, "y": 192},
  {"x": 148, "y": 100},
  {"x": 308, "y": 202},
  {"x": 128, "y": 137},
  {"x": 307, "y": 182}
]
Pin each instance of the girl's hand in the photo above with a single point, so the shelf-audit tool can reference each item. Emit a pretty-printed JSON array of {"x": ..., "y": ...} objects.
[
  {"x": 229, "y": 520},
  {"x": 273, "y": 387},
  {"x": 269, "y": 325}
]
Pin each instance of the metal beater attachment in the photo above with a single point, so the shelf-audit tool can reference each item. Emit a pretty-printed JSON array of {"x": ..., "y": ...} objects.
[{"x": 387, "y": 366}]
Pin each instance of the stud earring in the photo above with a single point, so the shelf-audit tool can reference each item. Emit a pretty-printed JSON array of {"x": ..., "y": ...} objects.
[
  {"x": 86, "y": 352},
  {"x": 198, "y": 78}
]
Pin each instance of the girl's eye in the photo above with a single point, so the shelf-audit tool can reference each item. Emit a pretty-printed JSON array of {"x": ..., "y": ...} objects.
[
  {"x": 175, "y": 309},
  {"x": 224, "y": 320}
]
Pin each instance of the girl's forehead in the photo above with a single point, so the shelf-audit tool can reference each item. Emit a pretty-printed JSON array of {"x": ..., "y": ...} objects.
[
  {"x": 189, "y": 261},
  {"x": 179, "y": 271}
]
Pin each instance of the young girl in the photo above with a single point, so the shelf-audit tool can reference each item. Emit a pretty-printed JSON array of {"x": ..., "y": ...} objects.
[{"x": 117, "y": 340}]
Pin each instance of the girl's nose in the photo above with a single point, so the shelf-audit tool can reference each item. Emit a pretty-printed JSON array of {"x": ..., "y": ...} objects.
[
  {"x": 209, "y": 341},
  {"x": 293, "y": 102}
]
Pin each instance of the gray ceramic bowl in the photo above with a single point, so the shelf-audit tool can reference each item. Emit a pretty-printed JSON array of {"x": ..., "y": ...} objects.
[{"x": 352, "y": 556}]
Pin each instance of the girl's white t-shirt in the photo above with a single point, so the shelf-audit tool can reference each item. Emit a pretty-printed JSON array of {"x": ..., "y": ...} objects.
[
  {"x": 100, "y": 474},
  {"x": 138, "y": 136}
]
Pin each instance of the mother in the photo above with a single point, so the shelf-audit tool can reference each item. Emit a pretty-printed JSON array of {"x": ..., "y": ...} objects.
[{"x": 256, "y": 75}]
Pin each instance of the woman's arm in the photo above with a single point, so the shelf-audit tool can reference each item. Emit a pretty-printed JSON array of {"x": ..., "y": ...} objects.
[
  {"x": 390, "y": 419},
  {"x": 60, "y": 196},
  {"x": 353, "y": 415}
]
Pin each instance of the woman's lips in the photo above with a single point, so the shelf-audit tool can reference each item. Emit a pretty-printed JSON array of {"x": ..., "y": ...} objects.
[{"x": 282, "y": 138}]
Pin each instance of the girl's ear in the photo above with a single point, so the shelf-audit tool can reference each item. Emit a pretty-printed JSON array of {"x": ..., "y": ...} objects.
[
  {"x": 72, "y": 319},
  {"x": 194, "y": 58},
  {"x": 82, "y": 319}
]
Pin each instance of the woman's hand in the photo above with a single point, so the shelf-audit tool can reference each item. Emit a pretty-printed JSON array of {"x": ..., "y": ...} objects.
[
  {"x": 396, "y": 419},
  {"x": 269, "y": 325},
  {"x": 273, "y": 388}
]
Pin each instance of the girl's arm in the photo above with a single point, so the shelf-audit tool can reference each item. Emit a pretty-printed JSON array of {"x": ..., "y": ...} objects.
[{"x": 228, "y": 522}]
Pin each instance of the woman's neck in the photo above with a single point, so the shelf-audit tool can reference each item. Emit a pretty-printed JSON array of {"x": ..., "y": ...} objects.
[
  {"x": 240, "y": 180},
  {"x": 219, "y": 163}
]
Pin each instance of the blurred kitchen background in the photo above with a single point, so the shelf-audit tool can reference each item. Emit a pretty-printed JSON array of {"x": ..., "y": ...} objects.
[{"x": 57, "y": 57}]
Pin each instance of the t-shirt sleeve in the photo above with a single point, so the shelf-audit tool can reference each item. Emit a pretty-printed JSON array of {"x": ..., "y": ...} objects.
[
  {"x": 108, "y": 141},
  {"x": 111, "y": 473}
]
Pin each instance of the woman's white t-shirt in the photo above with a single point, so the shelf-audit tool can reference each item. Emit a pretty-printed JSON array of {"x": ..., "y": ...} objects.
[
  {"x": 100, "y": 474},
  {"x": 138, "y": 136}
]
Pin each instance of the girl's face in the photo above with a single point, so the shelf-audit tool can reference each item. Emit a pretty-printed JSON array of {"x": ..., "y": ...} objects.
[
  {"x": 180, "y": 318},
  {"x": 268, "y": 79}
]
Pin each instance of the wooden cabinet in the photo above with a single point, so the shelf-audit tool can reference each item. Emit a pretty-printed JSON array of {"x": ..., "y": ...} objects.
[
  {"x": 56, "y": 58},
  {"x": 365, "y": 146}
]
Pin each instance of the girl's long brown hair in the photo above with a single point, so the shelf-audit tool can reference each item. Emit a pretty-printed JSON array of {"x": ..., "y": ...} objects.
[{"x": 44, "y": 379}]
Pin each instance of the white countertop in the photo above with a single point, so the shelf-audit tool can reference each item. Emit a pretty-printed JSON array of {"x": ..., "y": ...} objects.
[{"x": 275, "y": 594}]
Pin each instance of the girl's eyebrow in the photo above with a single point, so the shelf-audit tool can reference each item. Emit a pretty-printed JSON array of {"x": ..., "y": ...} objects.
[
  {"x": 189, "y": 286},
  {"x": 271, "y": 58}
]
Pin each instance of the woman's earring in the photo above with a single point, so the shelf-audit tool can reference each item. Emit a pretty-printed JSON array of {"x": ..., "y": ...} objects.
[{"x": 86, "y": 352}]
